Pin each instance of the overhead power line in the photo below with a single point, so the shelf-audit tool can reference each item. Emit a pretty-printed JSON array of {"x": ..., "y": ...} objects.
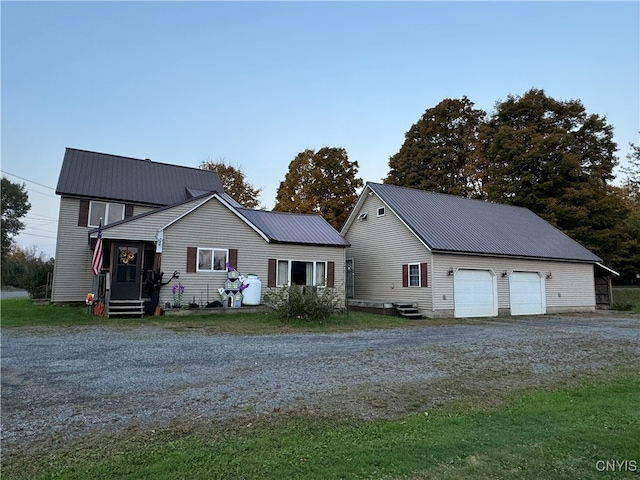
[{"x": 27, "y": 180}]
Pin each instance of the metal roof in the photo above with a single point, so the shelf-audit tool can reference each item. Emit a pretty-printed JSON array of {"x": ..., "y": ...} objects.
[
  {"x": 456, "y": 224},
  {"x": 283, "y": 227},
  {"x": 131, "y": 180}
]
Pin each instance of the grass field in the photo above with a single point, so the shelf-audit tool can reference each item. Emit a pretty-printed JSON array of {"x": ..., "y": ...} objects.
[
  {"x": 627, "y": 298},
  {"x": 21, "y": 313},
  {"x": 564, "y": 433}
]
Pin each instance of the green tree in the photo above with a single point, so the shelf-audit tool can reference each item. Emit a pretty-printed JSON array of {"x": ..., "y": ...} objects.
[
  {"x": 632, "y": 171},
  {"x": 27, "y": 269},
  {"x": 439, "y": 151},
  {"x": 235, "y": 184},
  {"x": 553, "y": 158},
  {"x": 322, "y": 182},
  {"x": 629, "y": 267},
  {"x": 15, "y": 205}
]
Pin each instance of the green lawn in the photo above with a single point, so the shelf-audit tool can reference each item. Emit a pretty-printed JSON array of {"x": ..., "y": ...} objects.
[
  {"x": 627, "y": 298},
  {"x": 546, "y": 434},
  {"x": 22, "y": 312}
]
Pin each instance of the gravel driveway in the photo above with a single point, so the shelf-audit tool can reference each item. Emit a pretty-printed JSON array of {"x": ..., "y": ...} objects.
[{"x": 69, "y": 383}]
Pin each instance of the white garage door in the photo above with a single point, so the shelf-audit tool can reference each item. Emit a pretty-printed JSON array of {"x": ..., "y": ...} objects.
[
  {"x": 526, "y": 292},
  {"x": 475, "y": 294}
]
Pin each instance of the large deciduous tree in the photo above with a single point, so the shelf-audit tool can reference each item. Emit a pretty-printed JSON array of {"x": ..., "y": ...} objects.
[
  {"x": 557, "y": 160},
  {"x": 439, "y": 150},
  {"x": 322, "y": 182},
  {"x": 15, "y": 205},
  {"x": 235, "y": 183},
  {"x": 632, "y": 172}
]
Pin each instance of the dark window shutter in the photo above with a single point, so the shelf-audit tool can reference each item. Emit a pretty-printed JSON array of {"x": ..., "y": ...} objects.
[
  {"x": 405, "y": 275},
  {"x": 233, "y": 258},
  {"x": 83, "y": 214},
  {"x": 128, "y": 210},
  {"x": 423, "y": 275},
  {"x": 331, "y": 274},
  {"x": 271, "y": 274},
  {"x": 192, "y": 253}
]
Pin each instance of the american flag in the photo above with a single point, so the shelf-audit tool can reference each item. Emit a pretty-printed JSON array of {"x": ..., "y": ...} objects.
[{"x": 96, "y": 263}]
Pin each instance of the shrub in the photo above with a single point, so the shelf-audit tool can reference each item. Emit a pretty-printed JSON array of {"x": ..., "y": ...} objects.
[{"x": 303, "y": 303}]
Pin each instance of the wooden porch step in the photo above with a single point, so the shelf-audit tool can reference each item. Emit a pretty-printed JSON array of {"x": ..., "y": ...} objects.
[
  {"x": 407, "y": 310},
  {"x": 129, "y": 308}
]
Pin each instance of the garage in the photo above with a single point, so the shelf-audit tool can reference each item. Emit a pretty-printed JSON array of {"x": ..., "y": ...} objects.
[
  {"x": 526, "y": 293},
  {"x": 475, "y": 293}
]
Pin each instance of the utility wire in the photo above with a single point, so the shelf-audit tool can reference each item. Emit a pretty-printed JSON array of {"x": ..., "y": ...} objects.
[{"x": 27, "y": 180}]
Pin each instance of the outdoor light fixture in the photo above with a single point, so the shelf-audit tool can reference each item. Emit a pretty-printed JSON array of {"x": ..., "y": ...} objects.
[
  {"x": 549, "y": 275},
  {"x": 504, "y": 274},
  {"x": 450, "y": 272}
]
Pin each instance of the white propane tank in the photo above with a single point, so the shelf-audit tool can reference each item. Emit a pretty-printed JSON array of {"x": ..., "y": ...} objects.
[{"x": 251, "y": 294}]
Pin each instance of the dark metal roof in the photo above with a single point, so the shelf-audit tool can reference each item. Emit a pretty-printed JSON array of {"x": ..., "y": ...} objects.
[
  {"x": 131, "y": 180},
  {"x": 282, "y": 227},
  {"x": 457, "y": 224}
]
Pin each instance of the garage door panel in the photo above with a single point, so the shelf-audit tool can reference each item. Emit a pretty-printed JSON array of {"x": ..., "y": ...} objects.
[
  {"x": 526, "y": 293},
  {"x": 475, "y": 294}
]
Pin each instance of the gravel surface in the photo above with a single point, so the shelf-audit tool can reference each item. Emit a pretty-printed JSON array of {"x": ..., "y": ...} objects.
[{"x": 65, "y": 384}]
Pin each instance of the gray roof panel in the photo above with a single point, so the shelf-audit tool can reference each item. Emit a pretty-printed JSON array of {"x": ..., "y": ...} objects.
[
  {"x": 457, "y": 224},
  {"x": 131, "y": 180},
  {"x": 282, "y": 227}
]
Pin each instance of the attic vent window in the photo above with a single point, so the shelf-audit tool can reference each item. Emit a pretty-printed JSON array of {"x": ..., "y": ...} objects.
[
  {"x": 381, "y": 212},
  {"x": 363, "y": 216}
]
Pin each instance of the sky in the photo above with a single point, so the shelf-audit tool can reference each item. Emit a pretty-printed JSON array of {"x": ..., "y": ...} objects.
[{"x": 255, "y": 83}]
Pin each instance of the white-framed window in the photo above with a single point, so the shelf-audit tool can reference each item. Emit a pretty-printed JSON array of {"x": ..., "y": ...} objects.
[
  {"x": 294, "y": 272},
  {"x": 107, "y": 211},
  {"x": 212, "y": 259},
  {"x": 381, "y": 212},
  {"x": 414, "y": 275}
]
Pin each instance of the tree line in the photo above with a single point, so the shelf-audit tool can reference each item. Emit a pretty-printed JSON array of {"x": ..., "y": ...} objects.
[{"x": 550, "y": 156}]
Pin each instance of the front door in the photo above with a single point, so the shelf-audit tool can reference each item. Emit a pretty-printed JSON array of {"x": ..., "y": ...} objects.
[{"x": 125, "y": 280}]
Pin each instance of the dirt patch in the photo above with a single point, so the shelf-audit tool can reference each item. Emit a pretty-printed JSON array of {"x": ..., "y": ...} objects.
[{"x": 62, "y": 385}]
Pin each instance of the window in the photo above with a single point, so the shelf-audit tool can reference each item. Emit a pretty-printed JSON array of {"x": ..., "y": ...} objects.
[
  {"x": 108, "y": 212},
  {"x": 212, "y": 259},
  {"x": 414, "y": 274},
  {"x": 381, "y": 212},
  {"x": 291, "y": 272}
]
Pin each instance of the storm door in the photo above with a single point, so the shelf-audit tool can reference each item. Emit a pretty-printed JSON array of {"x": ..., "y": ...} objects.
[
  {"x": 125, "y": 280},
  {"x": 349, "y": 277}
]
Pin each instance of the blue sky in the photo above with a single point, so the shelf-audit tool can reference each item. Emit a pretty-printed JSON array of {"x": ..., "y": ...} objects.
[{"x": 254, "y": 84}]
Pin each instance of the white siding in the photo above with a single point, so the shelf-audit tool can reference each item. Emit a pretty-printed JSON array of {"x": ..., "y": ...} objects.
[
  {"x": 379, "y": 247},
  {"x": 213, "y": 225}
]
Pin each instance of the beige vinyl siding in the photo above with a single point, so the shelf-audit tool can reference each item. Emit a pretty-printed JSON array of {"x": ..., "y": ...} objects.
[
  {"x": 213, "y": 225},
  {"x": 146, "y": 228},
  {"x": 72, "y": 276},
  {"x": 379, "y": 248},
  {"x": 570, "y": 288}
]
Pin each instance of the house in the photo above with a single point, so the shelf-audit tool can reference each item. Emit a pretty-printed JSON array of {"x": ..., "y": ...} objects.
[
  {"x": 161, "y": 217},
  {"x": 452, "y": 256}
]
